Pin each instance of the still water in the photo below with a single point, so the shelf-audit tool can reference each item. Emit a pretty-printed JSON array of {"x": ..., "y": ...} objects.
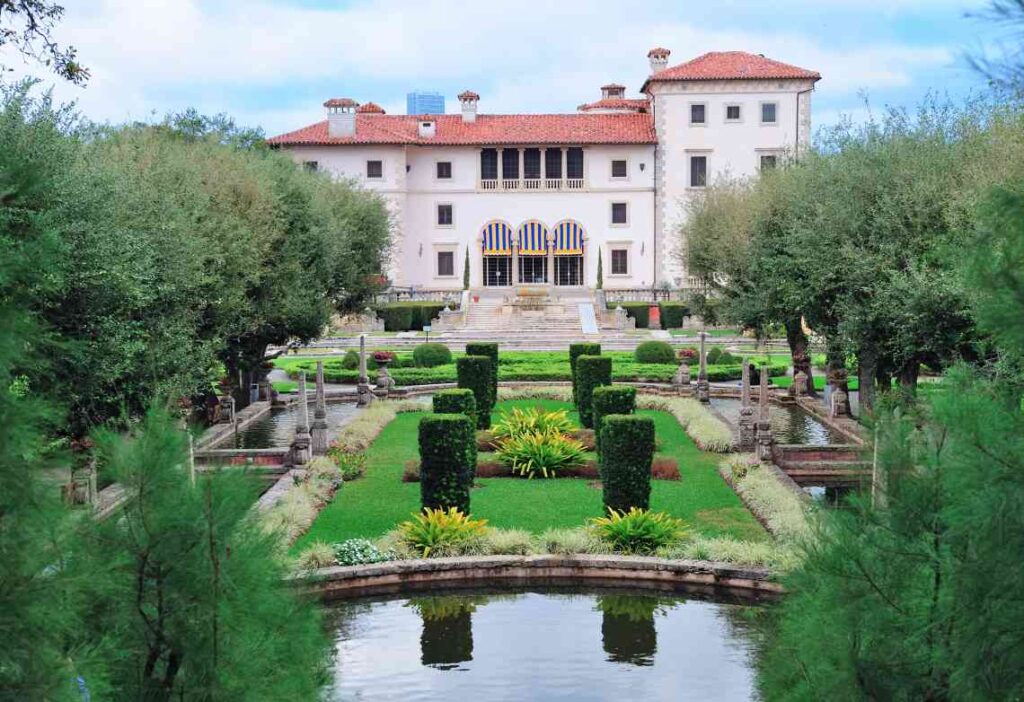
[
  {"x": 790, "y": 424},
  {"x": 277, "y": 427},
  {"x": 543, "y": 645}
]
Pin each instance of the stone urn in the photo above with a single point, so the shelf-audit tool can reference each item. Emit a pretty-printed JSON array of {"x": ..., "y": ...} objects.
[{"x": 385, "y": 382}]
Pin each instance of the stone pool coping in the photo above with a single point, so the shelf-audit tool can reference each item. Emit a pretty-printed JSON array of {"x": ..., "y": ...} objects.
[{"x": 576, "y": 569}]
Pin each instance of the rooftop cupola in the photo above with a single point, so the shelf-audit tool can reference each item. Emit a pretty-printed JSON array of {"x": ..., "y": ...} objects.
[
  {"x": 468, "y": 99},
  {"x": 658, "y": 58},
  {"x": 341, "y": 117},
  {"x": 613, "y": 91}
]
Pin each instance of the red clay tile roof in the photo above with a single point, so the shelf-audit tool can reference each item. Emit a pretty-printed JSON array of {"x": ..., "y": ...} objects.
[
  {"x": 370, "y": 108},
  {"x": 731, "y": 65},
  {"x": 341, "y": 102},
  {"x": 585, "y": 128},
  {"x": 624, "y": 104}
]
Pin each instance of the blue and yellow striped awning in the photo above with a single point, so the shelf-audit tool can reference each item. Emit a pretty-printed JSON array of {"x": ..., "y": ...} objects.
[
  {"x": 497, "y": 239},
  {"x": 533, "y": 238},
  {"x": 568, "y": 238}
]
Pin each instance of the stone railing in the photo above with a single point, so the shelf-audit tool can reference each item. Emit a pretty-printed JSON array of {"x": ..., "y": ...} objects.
[
  {"x": 414, "y": 294},
  {"x": 515, "y": 184}
]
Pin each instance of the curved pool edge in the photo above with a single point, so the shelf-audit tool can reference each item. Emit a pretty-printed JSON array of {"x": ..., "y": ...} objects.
[{"x": 468, "y": 571}]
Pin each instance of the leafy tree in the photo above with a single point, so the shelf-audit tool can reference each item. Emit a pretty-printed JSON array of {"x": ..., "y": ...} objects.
[{"x": 27, "y": 25}]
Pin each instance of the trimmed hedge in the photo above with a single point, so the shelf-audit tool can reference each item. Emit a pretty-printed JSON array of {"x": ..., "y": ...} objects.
[
  {"x": 575, "y": 351},
  {"x": 673, "y": 314},
  {"x": 456, "y": 401},
  {"x": 408, "y": 316},
  {"x": 431, "y": 355},
  {"x": 474, "y": 373},
  {"x": 612, "y": 399},
  {"x": 720, "y": 357},
  {"x": 627, "y": 443},
  {"x": 640, "y": 311},
  {"x": 591, "y": 372},
  {"x": 447, "y": 461},
  {"x": 655, "y": 352},
  {"x": 484, "y": 348}
]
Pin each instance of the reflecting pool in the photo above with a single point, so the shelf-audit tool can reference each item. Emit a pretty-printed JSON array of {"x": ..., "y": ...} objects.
[
  {"x": 543, "y": 644},
  {"x": 790, "y": 424},
  {"x": 277, "y": 428}
]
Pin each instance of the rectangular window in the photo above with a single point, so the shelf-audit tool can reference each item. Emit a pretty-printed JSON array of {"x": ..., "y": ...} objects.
[
  {"x": 510, "y": 164},
  {"x": 375, "y": 169},
  {"x": 768, "y": 112},
  {"x": 444, "y": 170},
  {"x": 531, "y": 164},
  {"x": 444, "y": 215},
  {"x": 311, "y": 166},
  {"x": 698, "y": 171},
  {"x": 732, "y": 113},
  {"x": 619, "y": 168},
  {"x": 574, "y": 163},
  {"x": 488, "y": 164},
  {"x": 697, "y": 115},
  {"x": 445, "y": 263},
  {"x": 620, "y": 214},
  {"x": 768, "y": 161},
  {"x": 620, "y": 262},
  {"x": 553, "y": 163}
]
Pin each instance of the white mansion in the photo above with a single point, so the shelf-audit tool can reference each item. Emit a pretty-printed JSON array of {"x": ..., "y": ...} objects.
[{"x": 535, "y": 197}]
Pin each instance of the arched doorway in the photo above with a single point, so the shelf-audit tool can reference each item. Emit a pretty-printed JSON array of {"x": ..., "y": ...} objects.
[
  {"x": 532, "y": 252},
  {"x": 496, "y": 244},
  {"x": 568, "y": 239}
]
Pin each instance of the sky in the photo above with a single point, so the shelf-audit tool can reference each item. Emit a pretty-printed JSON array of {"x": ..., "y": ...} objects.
[{"x": 272, "y": 63}]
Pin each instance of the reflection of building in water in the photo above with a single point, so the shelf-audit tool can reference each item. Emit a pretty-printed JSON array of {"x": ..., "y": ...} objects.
[{"x": 627, "y": 628}]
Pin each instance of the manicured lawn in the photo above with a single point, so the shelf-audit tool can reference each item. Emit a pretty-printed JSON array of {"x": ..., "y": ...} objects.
[
  {"x": 714, "y": 333},
  {"x": 372, "y": 505}
]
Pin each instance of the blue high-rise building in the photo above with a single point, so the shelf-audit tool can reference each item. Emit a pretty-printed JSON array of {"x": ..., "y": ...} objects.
[{"x": 424, "y": 103}]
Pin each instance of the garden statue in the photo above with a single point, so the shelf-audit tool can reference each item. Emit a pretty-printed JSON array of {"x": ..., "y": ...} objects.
[
  {"x": 363, "y": 387},
  {"x": 838, "y": 402},
  {"x": 703, "y": 387},
  {"x": 747, "y": 434},
  {"x": 319, "y": 432},
  {"x": 764, "y": 423},
  {"x": 301, "y": 442},
  {"x": 799, "y": 387},
  {"x": 384, "y": 380},
  {"x": 681, "y": 379}
]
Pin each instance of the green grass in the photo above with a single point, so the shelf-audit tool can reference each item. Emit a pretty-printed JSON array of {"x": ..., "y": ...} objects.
[
  {"x": 713, "y": 333},
  {"x": 285, "y": 386},
  {"x": 372, "y": 505}
]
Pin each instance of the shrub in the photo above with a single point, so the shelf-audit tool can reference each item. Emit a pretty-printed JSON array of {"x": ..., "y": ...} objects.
[
  {"x": 360, "y": 551},
  {"x": 575, "y": 351},
  {"x": 540, "y": 452},
  {"x": 627, "y": 449},
  {"x": 351, "y": 464},
  {"x": 640, "y": 311},
  {"x": 455, "y": 401},
  {"x": 655, "y": 352},
  {"x": 408, "y": 316},
  {"x": 638, "y": 531},
  {"x": 665, "y": 468},
  {"x": 569, "y": 541},
  {"x": 770, "y": 554},
  {"x": 447, "y": 461},
  {"x": 509, "y": 542},
  {"x": 490, "y": 350},
  {"x": 435, "y": 531},
  {"x": 688, "y": 354},
  {"x": 431, "y": 355},
  {"x": 591, "y": 372},
  {"x": 673, "y": 314},
  {"x": 474, "y": 373},
  {"x": 611, "y": 399},
  {"x": 520, "y": 422},
  {"x": 781, "y": 508},
  {"x": 714, "y": 353},
  {"x": 316, "y": 555},
  {"x": 350, "y": 361}
]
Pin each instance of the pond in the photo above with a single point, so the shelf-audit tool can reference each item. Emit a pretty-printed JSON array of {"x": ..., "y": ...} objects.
[
  {"x": 790, "y": 424},
  {"x": 277, "y": 427},
  {"x": 830, "y": 496},
  {"x": 543, "y": 644}
]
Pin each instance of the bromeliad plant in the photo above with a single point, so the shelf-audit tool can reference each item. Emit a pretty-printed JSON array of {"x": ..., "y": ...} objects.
[
  {"x": 437, "y": 530},
  {"x": 638, "y": 531},
  {"x": 519, "y": 422},
  {"x": 543, "y": 453}
]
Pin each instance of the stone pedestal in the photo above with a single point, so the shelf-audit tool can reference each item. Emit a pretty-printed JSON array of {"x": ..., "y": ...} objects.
[
  {"x": 799, "y": 388},
  {"x": 385, "y": 383},
  {"x": 681, "y": 379},
  {"x": 363, "y": 389},
  {"x": 838, "y": 404},
  {"x": 319, "y": 429},
  {"x": 83, "y": 490},
  {"x": 747, "y": 432},
  {"x": 703, "y": 386},
  {"x": 301, "y": 444},
  {"x": 764, "y": 423}
]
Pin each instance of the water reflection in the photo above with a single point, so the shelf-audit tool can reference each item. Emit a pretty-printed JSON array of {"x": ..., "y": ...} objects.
[
  {"x": 830, "y": 496},
  {"x": 790, "y": 424},
  {"x": 542, "y": 645},
  {"x": 277, "y": 428}
]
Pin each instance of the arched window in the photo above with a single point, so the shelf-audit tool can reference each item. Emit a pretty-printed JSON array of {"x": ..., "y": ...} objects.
[
  {"x": 496, "y": 247},
  {"x": 568, "y": 238},
  {"x": 532, "y": 249}
]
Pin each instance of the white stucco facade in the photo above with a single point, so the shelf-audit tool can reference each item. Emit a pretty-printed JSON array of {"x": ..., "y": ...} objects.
[{"x": 629, "y": 203}]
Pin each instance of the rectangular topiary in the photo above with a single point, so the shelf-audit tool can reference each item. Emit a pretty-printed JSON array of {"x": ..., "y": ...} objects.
[
  {"x": 447, "y": 461},
  {"x": 673, "y": 314},
  {"x": 485, "y": 348},
  {"x": 591, "y": 372},
  {"x": 456, "y": 401},
  {"x": 575, "y": 351},
  {"x": 611, "y": 399},
  {"x": 474, "y": 373},
  {"x": 627, "y": 443},
  {"x": 408, "y": 316}
]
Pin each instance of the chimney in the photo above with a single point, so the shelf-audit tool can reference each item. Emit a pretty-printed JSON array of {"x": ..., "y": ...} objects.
[
  {"x": 428, "y": 127},
  {"x": 341, "y": 117},
  {"x": 468, "y": 100},
  {"x": 613, "y": 91},
  {"x": 658, "y": 58}
]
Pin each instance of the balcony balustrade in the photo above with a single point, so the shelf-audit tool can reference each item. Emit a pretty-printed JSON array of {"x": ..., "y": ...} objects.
[{"x": 539, "y": 184}]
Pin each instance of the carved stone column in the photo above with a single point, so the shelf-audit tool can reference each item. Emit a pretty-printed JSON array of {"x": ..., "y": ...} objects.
[
  {"x": 363, "y": 387},
  {"x": 764, "y": 423},
  {"x": 319, "y": 433},
  {"x": 703, "y": 386},
  {"x": 747, "y": 429},
  {"x": 301, "y": 442},
  {"x": 515, "y": 262}
]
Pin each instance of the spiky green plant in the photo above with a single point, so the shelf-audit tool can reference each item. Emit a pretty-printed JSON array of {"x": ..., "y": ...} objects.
[
  {"x": 520, "y": 422},
  {"x": 638, "y": 530},
  {"x": 543, "y": 453},
  {"x": 436, "y": 530}
]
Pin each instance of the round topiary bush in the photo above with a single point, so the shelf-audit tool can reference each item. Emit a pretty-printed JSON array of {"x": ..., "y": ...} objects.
[
  {"x": 431, "y": 355},
  {"x": 591, "y": 372},
  {"x": 474, "y": 373},
  {"x": 350, "y": 361},
  {"x": 655, "y": 352},
  {"x": 627, "y": 449},
  {"x": 447, "y": 461}
]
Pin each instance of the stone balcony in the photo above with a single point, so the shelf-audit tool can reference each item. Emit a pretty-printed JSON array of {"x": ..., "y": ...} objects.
[{"x": 531, "y": 184}]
